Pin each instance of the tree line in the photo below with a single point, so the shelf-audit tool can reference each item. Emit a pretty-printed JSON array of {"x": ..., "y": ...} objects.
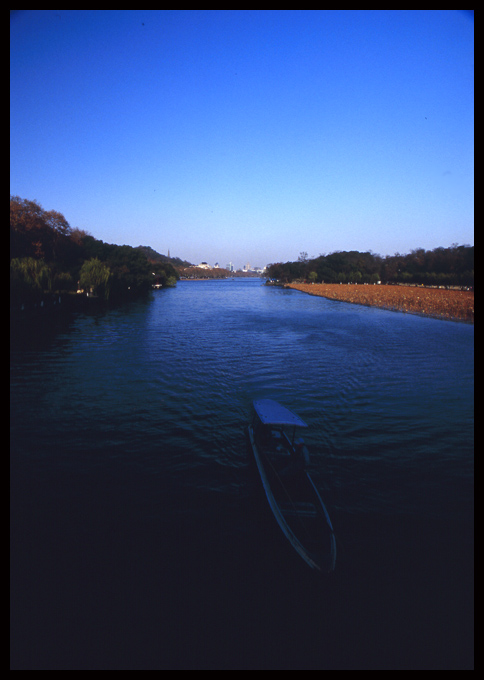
[
  {"x": 452, "y": 266},
  {"x": 48, "y": 255}
]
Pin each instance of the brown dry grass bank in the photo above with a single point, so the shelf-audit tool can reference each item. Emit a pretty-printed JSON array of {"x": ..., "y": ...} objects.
[{"x": 455, "y": 305}]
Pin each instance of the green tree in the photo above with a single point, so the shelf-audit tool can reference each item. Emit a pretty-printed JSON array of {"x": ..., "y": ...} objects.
[
  {"x": 29, "y": 279},
  {"x": 62, "y": 281},
  {"x": 95, "y": 277}
]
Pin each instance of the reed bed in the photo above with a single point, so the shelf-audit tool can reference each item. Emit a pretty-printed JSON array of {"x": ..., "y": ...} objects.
[{"x": 454, "y": 305}]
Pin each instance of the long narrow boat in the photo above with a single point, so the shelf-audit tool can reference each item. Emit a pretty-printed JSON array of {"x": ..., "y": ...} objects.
[{"x": 281, "y": 460}]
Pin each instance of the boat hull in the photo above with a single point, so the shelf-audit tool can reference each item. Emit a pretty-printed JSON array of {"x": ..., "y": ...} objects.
[{"x": 297, "y": 507}]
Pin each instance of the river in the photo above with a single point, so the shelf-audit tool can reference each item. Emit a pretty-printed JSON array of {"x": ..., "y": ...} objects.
[{"x": 139, "y": 536}]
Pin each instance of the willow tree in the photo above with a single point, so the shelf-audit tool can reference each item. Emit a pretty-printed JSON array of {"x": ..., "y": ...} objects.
[
  {"x": 29, "y": 279},
  {"x": 95, "y": 277}
]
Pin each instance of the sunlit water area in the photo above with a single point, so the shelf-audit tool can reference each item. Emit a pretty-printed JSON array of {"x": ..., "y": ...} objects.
[{"x": 139, "y": 537}]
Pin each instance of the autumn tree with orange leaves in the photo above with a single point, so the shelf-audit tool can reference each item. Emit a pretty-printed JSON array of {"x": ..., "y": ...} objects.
[{"x": 35, "y": 232}]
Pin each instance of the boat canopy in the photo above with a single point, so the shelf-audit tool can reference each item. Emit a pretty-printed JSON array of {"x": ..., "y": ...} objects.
[{"x": 271, "y": 412}]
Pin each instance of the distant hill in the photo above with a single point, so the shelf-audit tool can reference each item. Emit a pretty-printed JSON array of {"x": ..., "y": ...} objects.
[{"x": 153, "y": 256}]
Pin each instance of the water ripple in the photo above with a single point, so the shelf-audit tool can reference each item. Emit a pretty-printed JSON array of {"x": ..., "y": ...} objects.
[{"x": 168, "y": 385}]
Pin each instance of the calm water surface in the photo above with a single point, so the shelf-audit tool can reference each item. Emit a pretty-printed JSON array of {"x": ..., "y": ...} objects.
[{"x": 139, "y": 538}]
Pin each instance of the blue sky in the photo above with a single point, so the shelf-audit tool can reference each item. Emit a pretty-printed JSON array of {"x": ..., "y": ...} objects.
[{"x": 248, "y": 135}]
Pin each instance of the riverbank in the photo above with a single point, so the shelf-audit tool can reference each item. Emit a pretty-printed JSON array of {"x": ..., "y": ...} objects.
[{"x": 453, "y": 305}]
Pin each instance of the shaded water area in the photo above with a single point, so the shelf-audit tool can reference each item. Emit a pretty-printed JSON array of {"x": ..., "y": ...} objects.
[{"x": 140, "y": 538}]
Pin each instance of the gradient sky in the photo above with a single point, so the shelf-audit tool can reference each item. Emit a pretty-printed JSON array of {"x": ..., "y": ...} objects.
[{"x": 248, "y": 135}]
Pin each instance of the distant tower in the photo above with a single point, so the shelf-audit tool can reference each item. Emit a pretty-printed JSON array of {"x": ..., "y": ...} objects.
[{"x": 168, "y": 253}]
